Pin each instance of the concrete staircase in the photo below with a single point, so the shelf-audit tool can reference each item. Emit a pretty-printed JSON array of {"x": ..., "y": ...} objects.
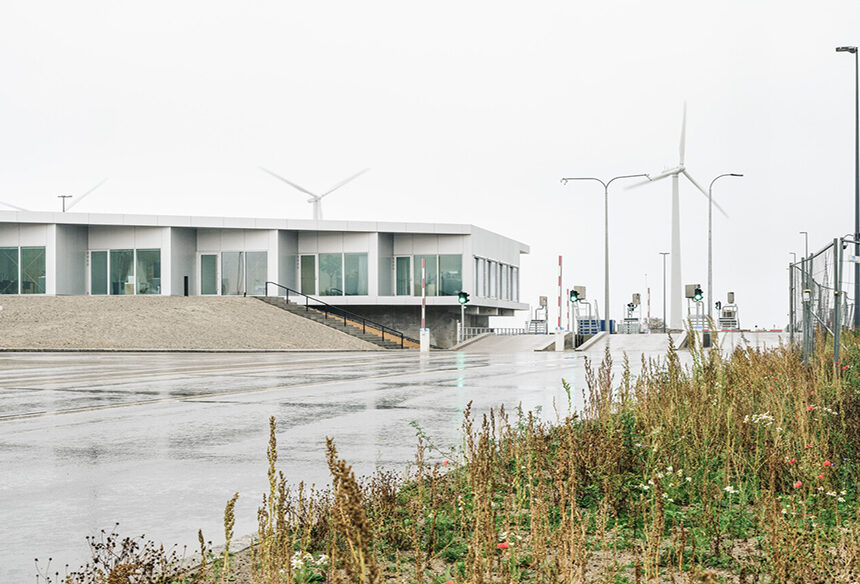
[{"x": 351, "y": 325}]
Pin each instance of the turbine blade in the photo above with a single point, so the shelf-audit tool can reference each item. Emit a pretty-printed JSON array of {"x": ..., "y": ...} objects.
[
  {"x": 82, "y": 197},
  {"x": 704, "y": 192},
  {"x": 683, "y": 146},
  {"x": 289, "y": 182},
  {"x": 660, "y": 176},
  {"x": 10, "y": 205},
  {"x": 343, "y": 182}
]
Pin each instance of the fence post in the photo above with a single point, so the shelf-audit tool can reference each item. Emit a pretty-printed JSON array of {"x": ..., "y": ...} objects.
[
  {"x": 837, "y": 298},
  {"x": 805, "y": 301},
  {"x": 791, "y": 304}
]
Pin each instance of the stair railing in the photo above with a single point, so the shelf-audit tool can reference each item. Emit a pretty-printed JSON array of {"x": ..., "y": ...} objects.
[{"x": 339, "y": 313}]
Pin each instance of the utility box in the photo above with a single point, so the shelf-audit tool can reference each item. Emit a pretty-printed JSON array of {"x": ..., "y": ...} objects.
[
  {"x": 730, "y": 297},
  {"x": 636, "y": 299},
  {"x": 581, "y": 291},
  {"x": 542, "y": 301},
  {"x": 690, "y": 290}
]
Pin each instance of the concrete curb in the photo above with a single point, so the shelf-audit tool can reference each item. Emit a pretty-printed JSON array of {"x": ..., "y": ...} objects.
[
  {"x": 587, "y": 344},
  {"x": 468, "y": 342}
]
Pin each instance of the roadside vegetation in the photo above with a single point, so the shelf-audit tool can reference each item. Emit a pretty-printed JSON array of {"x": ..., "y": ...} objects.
[{"x": 741, "y": 469}]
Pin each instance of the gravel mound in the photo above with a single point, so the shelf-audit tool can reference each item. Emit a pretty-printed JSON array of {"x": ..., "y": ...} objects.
[{"x": 161, "y": 322}]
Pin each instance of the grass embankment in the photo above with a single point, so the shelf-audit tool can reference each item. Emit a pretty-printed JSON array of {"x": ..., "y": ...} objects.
[{"x": 741, "y": 469}]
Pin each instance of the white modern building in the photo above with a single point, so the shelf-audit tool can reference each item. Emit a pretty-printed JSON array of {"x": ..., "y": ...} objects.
[{"x": 370, "y": 268}]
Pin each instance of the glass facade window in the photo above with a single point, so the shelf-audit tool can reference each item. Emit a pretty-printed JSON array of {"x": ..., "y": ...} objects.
[
  {"x": 209, "y": 274},
  {"x": 121, "y": 271},
  {"x": 148, "y": 271},
  {"x": 309, "y": 274},
  {"x": 257, "y": 270},
  {"x": 98, "y": 272},
  {"x": 401, "y": 275},
  {"x": 431, "y": 275},
  {"x": 494, "y": 273},
  {"x": 355, "y": 274},
  {"x": 331, "y": 274},
  {"x": 516, "y": 284},
  {"x": 8, "y": 270},
  {"x": 232, "y": 273},
  {"x": 33, "y": 270},
  {"x": 450, "y": 274}
]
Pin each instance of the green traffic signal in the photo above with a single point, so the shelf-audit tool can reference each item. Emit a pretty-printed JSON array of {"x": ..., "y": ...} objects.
[
  {"x": 463, "y": 297},
  {"x": 698, "y": 294},
  {"x": 574, "y": 296}
]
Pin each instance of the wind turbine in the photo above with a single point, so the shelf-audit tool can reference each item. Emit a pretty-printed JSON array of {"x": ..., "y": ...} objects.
[
  {"x": 676, "y": 293},
  {"x": 79, "y": 198},
  {"x": 11, "y": 206},
  {"x": 315, "y": 198}
]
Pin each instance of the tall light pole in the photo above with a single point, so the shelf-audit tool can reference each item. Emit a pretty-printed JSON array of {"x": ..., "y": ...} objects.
[
  {"x": 605, "y": 232},
  {"x": 805, "y": 243},
  {"x": 710, "y": 242},
  {"x": 664, "y": 254},
  {"x": 853, "y": 50}
]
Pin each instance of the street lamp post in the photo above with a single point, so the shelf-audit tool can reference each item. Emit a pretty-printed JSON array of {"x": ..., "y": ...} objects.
[
  {"x": 853, "y": 50},
  {"x": 606, "y": 233},
  {"x": 710, "y": 242},
  {"x": 664, "y": 254}
]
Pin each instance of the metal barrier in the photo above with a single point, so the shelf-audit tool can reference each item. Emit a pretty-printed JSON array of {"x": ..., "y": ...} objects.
[
  {"x": 470, "y": 332},
  {"x": 348, "y": 318},
  {"x": 819, "y": 302}
]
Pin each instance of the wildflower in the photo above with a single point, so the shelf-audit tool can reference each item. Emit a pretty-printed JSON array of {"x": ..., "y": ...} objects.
[
  {"x": 659, "y": 475},
  {"x": 827, "y": 463},
  {"x": 810, "y": 408},
  {"x": 503, "y": 536},
  {"x": 820, "y": 477},
  {"x": 798, "y": 484},
  {"x": 449, "y": 582},
  {"x": 644, "y": 487},
  {"x": 770, "y": 387},
  {"x": 831, "y": 494},
  {"x": 843, "y": 492},
  {"x": 792, "y": 461},
  {"x": 730, "y": 489},
  {"x": 444, "y": 463},
  {"x": 689, "y": 479},
  {"x": 844, "y": 367},
  {"x": 669, "y": 469},
  {"x": 820, "y": 488},
  {"x": 808, "y": 446},
  {"x": 840, "y": 499},
  {"x": 502, "y": 546}
]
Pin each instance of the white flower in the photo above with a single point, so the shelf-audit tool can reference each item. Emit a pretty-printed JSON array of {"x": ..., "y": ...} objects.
[
  {"x": 322, "y": 560},
  {"x": 831, "y": 494},
  {"x": 820, "y": 488},
  {"x": 843, "y": 492},
  {"x": 841, "y": 500},
  {"x": 784, "y": 511},
  {"x": 659, "y": 475},
  {"x": 689, "y": 479},
  {"x": 644, "y": 487},
  {"x": 730, "y": 489},
  {"x": 669, "y": 469}
]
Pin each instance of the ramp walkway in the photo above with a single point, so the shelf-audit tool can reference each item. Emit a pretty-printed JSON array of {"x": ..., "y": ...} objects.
[
  {"x": 657, "y": 343},
  {"x": 509, "y": 344},
  {"x": 729, "y": 341}
]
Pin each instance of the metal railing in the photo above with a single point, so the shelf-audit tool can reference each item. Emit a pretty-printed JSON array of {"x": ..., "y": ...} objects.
[
  {"x": 474, "y": 331},
  {"x": 348, "y": 318},
  {"x": 819, "y": 300}
]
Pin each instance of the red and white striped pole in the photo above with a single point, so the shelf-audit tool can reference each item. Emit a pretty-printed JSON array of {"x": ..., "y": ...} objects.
[
  {"x": 423, "y": 294},
  {"x": 648, "y": 322},
  {"x": 559, "y": 292}
]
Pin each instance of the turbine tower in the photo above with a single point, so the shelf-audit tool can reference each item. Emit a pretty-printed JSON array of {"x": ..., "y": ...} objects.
[
  {"x": 676, "y": 290},
  {"x": 315, "y": 199}
]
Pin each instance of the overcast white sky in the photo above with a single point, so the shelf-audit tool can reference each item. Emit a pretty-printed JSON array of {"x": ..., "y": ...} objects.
[{"x": 464, "y": 111}]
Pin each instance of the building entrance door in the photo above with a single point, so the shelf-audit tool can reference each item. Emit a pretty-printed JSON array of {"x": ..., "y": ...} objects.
[{"x": 98, "y": 272}]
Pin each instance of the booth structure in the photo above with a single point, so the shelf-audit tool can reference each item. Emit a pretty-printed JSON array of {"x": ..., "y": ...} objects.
[{"x": 370, "y": 268}]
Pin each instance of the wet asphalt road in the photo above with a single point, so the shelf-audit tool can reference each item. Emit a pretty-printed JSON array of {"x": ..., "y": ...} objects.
[{"x": 159, "y": 442}]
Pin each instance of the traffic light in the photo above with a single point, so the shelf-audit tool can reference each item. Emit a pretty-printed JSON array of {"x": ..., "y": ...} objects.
[
  {"x": 698, "y": 294},
  {"x": 718, "y": 305},
  {"x": 574, "y": 296},
  {"x": 463, "y": 297}
]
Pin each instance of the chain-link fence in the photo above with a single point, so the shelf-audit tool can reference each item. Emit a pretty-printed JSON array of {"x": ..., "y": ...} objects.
[{"x": 821, "y": 294}]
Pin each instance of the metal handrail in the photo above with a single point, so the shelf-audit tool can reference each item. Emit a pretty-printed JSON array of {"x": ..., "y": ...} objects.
[{"x": 327, "y": 308}]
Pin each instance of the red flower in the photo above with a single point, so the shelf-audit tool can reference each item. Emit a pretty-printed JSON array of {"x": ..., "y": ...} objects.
[
  {"x": 821, "y": 476},
  {"x": 844, "y": 367},
  {"x": 798, "y": 484},
  {"x": 444, "y": 463},
  {"x": 808, "y": 446},
  {"x": 770, "y": 387},
  {"x": 810, "y": 408},
  {"x": 792, "y": 461},
  {"x": 449, "y": 582},
  {"x": 502, "y": 546},
  {"x": 828, "y": 463}
]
